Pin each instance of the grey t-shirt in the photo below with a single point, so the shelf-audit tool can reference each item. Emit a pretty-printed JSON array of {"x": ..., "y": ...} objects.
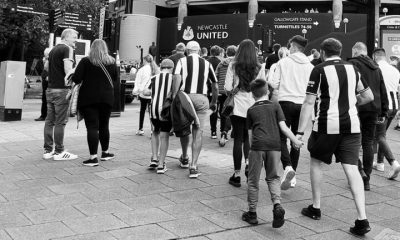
[{"x": 263, "y": 119}]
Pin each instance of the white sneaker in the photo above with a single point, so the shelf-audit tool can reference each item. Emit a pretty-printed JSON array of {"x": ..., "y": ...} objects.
[
  {"x": 140, "y": 132},
  {"x": 64, "y": 156},
  {"x": 394, "y": 172},
  {"x": 48, "y": 155},
  {"x": 378, "y": 166},
  {"x": 287, "y": 177},
  {"x": 293, "y": 182}
]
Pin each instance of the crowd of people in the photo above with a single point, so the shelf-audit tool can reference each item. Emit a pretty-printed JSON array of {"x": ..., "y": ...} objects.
[{"x": 350, "y": 104}]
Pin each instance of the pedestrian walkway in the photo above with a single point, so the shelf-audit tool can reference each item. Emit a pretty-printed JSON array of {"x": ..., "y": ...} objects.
[{"x": 122, "y": 199}]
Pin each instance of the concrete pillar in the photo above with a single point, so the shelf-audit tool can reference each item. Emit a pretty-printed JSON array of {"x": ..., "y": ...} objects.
[
  {"x": 182, "y": 12},
  {"x": 377, "y": 26},
  {"x": 337, "y": 9},
  {"x": 252, "y": 12}
]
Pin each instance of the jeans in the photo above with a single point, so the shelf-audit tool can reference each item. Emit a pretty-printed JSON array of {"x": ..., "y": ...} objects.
[
  {"x": 144, "y": 105},
  {"x": 270, "y": 159},
  {"x": 225, "y": 124},
  {"x": 292, "y": 115},
  {"x": 97, "y": 118},
  {"x": 380, "y": 135},
  {"x": 368, "y": 122},
  {"x": 43, "y": 110},
  {"x": 56, "y": 119},
  {"x": 241, "y": 141}
]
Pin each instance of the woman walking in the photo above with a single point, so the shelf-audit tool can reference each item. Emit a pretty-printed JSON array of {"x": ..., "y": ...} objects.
[
  {"x": 97, "y": 73},
  {"x": 241, "y": 71},
  {"x": 142, "y": 82}
]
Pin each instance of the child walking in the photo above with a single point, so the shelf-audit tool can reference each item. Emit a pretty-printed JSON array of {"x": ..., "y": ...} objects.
[
  {"x": 265, "y": 120},
  {"x": 160, "y": 90}
]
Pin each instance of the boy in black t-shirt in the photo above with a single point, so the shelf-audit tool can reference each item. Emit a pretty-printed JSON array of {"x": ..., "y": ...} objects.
[{"x": 265, "y": 120}]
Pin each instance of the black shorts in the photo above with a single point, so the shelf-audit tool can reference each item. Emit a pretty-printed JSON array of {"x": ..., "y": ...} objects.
[
  {"x": 161, "y": 126},
  {"x": 345, "y": 147}
]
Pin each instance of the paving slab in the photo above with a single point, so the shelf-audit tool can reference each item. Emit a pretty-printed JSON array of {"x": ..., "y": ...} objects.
[
  {"x": 144, "y": 216},
  {"x": 40, "y": 232},
  {"x": 63, "y": 200},
  {"x": 151, "y": 231},
  {"x": 190, "y": 227},
  {"x": 290, "y": 230},
  {"x": 238, "y": 234},
  {"x": 90, "y": 236},
  {"x": 102, "y": 208},
  {"x": 53, "y": 214},
  {"x": 191, "y": 195},
  {"x": 95, "y": 224},
  {"x": 148, "y": 201},
  {"x": 184, "y": 210},
  {"x": 332, "y": 235}
]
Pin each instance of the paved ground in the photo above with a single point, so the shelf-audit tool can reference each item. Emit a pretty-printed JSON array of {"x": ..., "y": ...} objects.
[{"x": 121, "y": 199}]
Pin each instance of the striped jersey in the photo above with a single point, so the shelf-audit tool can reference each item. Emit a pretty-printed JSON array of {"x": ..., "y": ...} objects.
[
  {"x": 336, "y": 84},
  {"x": 391, "y": 77},
  {"x": 195, "y": 72},
  {"x": 160, "y": 89}
]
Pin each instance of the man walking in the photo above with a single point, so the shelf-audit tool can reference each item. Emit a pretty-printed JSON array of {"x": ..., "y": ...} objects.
[
  {"x": 391, "y": 77},
  {"x": 214, "y": 61},
  {"x": 180, "y": 53},
  {"x": 61, "y": 61},
  {"x": 369, "y": 113},
  {"x": 191, "y": 76},
  {"x": 290, "y": 83},
  {"x": 336, "y": 130}
]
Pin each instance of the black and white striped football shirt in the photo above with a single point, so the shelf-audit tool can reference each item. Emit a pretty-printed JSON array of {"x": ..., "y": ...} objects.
[
  {"x": 336, "y": 83},
  {"x": 160, "y": 89},
  {"x": 195, "y": 72}
]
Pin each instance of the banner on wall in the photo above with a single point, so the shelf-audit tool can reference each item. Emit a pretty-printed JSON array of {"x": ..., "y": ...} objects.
[{"x": 221, "y": 30}]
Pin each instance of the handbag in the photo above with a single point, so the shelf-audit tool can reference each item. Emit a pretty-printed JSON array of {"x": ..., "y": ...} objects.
[
  {"x": 229, "y": 103},
  {"x": 73, "y": 102}
]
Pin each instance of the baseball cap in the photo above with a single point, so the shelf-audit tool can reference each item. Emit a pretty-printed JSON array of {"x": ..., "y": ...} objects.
[
  {"x": 193, "y": 45},
  {"x": 167, "y": 63}
]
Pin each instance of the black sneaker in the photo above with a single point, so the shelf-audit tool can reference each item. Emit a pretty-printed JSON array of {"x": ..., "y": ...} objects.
[
  {"x": 250, "y": 217},
  {"x": 311, "y": 212},
  {"x": 361, "y": 227},
  {"x": 279, "y": 216},
  {"x": 91, "y": 162},
  {"x": 194, "y": 173},
  {"x": 367, "y": 187},
  {"x": 397, "y": 128},
  {"x": 184, "y": 162},
  {"x": 106, "y": 156},
  {"x": 153, "y": 163},
  {"x": 234, "y": 181},
  {"x": 214, "y": 135}
]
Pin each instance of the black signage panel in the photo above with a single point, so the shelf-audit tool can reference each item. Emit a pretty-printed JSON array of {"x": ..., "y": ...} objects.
[
  {"x": 221, "y": 30},
  {"x": 315, "y": 27},
  {"x": 29, "y": 10},
  {"x": 76, "y": 21}
]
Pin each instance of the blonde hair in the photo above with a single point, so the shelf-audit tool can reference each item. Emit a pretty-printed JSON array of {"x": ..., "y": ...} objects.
[
  {"x": 283, "y": 52},
  {"x": 154, "y": 68},
  {"x": 68, "y": 32},
  {"x": 99, "y": 53}
]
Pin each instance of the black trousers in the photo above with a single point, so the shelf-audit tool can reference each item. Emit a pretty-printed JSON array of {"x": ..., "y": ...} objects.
[
  {"x": 97, "y": 118},
  {"x": 292, "y": 115},
  {"x": 43, "y": 110},
  {"x": 225, "y": 124},
  {"x": 144, "y": 104},
  {"x": 241, "y": 142},
  {"x": 368, "y": 121}
]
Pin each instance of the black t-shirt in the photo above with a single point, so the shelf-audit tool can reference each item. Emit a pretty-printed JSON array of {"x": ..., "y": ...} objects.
[
  {"x": 60, "y": 53},
  {"x": 263, "y": 119},
  {"x": 273, "y": 58}
]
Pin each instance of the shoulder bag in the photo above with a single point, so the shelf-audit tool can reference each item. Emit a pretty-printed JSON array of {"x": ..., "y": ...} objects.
[{"x": 229, "y": 103}]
